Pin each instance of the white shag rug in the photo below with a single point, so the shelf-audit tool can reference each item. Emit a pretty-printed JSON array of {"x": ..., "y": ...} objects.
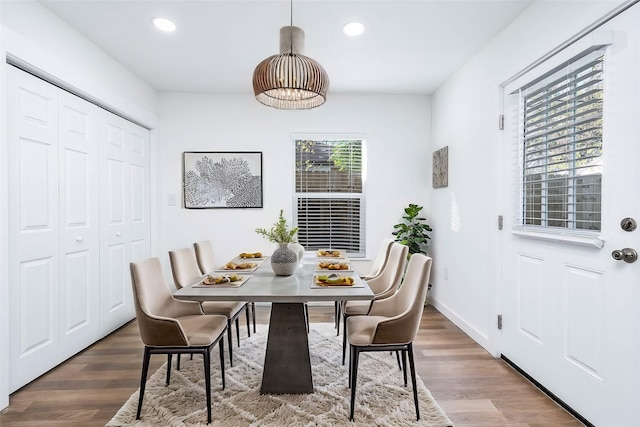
[{"x": 381, "y": 398}]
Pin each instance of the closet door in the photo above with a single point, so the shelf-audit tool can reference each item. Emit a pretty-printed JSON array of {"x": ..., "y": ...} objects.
[
  {"x": 79, "y": 224},
  {"x": 124, "y": 207},
  {"x": 34, "y": 235}
]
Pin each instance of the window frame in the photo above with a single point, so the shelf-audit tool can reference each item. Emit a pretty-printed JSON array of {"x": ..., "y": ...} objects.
[
  {"x": 361, "y": 233},
  {"x": 551, "y": 97},
  {"x": 510, "y": 87}
]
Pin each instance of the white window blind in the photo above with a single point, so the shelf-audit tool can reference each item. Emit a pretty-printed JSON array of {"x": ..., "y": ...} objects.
[
  {"x": 561, "y": 146},
  {"x": 329, "y": 194}
]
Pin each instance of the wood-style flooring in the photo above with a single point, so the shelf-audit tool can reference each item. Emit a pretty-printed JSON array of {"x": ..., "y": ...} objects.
[{"x": 472, "y": 387}]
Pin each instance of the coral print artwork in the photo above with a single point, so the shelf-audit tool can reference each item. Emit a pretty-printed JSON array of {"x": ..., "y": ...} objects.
[{"x": 222, "y": 180}]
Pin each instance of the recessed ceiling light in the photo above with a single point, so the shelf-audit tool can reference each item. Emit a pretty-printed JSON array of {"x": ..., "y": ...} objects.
[
  {"x": 353, "y": 29},
  {"x": 164, "y": 24}
]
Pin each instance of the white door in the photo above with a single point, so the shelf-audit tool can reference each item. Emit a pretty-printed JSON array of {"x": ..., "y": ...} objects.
[
  {"x": 140, "y": 226},
  {"x": 32, "y": 111},
  {"x": 570, "y": 311},
  {"x": 124, "y": 209},
  {"x": 79, "y": 224}
]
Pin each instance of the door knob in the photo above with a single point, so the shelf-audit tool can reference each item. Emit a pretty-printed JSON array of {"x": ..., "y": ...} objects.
[{"x": 627, "y": 255}]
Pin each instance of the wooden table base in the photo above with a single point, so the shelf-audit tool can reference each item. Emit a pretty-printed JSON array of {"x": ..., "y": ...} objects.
[{"x": 287, "y": 366}]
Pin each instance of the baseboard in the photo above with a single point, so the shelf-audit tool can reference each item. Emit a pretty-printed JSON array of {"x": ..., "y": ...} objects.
[
  {"x": 546, "y": 391},
  {"x": 475, "y": 334}
]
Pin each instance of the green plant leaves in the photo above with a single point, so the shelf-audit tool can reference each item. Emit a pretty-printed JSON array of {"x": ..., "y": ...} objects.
[{"x": 413, "y": 231}]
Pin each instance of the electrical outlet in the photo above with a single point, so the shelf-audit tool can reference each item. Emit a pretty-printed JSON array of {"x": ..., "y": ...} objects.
[{"x": 446, "y": 273}]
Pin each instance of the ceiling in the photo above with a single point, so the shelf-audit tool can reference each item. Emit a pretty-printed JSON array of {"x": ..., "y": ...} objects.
[{"x": 409, "y": 47}]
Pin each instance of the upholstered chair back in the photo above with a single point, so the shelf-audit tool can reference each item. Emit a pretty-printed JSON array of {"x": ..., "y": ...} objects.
[
  {"x": 406, "y": 305},
  {"x": 184, "y": 267},
  {"x": 156, "y": 309},
  {"x": 391, "y": 275},
  {"x": 381, "y": 258},
  {"x": 204, "y": 255}
]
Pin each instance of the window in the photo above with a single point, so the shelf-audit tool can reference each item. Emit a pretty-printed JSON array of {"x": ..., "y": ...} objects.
[
  {"x": 329, "y": 194},
  {"x": 561, "y": 147}
]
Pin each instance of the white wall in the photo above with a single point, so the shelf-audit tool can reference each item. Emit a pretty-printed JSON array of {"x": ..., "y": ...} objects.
[
  {"x": 4, "y": 257},
  {"x": 36, "y": 37},
  {"x": 465, "y": 117},
  {"x": 396, "y": 129}
]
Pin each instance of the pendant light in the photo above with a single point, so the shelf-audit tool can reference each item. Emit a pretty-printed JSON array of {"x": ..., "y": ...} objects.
[{"x": 290, "y": 80}]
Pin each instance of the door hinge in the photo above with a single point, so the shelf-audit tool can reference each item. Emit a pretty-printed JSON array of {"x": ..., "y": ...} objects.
[
  {"x": 500, "y": 222},
  {"x": 499, "y": 321},
  {"x": 501, "y": 122}
]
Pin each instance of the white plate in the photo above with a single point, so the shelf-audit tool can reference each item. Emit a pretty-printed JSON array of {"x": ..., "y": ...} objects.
[
  {"x": 334, "y": 261},
  {"x": 236, "y": 284},
  {"x": 316, "y": 285},
  {"x": 239, "y": 270},
  {"x": 239, "y": 259},
  {"x": 321, "y": 253},
  {"x": 259, "y": 261}
]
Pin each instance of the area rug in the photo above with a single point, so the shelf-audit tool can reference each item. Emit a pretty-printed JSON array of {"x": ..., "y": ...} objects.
[{"x": 381, "y": 399}]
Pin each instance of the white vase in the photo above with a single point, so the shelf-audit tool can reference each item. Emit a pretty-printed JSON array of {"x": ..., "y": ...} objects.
[
  {"x": 298, "y": 249},
  {"x": 284, "y": 260}
]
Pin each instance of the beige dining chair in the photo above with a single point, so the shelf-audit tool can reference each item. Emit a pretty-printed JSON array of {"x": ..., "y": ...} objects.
[
  {"x": 170, "y": 326},
  {"x": 383, "y": 286},
  {"x": 184, "y": 267},
  {"x": 381, "y": 258},
  {"x": 391, "y": 325},
  {"x": 207, "y": 263},
  {"x": 376, "y": 268}
]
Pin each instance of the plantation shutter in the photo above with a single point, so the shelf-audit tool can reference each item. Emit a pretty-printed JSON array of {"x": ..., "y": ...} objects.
[
  {"x": 329, "y": 195},
  {"x": 561, "y": 158}
]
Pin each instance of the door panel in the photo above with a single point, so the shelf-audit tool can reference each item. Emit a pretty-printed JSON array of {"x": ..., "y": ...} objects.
[
  {"x": 583, "y": 334},
  {"x": 139, "y": 188},
  {"x": 125, "y": 208},
  {"x": 79, "y": 224},
  {"x": 33, "y": 226},
  {"x": 569, "y": 309},
  {"x": 530, "y": 298}
]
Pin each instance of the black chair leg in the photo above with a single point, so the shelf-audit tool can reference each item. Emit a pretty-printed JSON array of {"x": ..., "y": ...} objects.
[
  {"x": 253, "y": 314},
  {"x": 143, "y": 380},
  {"x": 398, "y": 359},
  {"x": 413, "y": 380},
  {"x": 207, "y": 381},
  {"x": 344, "y": 338},
  {"x": 350, "y": 365},
  {"x": 355, "y": 353},
  {"x": 238, "y": 331},
  {"x": 246, "y": 313},
  {"x": 404, "y": 366},
  {"x": 169, "y": 368},
  {"x": 229, "y": 335},
  {"x": 338, "y": 316},
  {"x": 221, "y": 347}
]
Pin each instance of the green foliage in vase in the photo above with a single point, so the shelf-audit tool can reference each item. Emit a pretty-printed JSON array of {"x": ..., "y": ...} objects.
[
  {"x": 279, "y": 233},
  {"x": 413, "y": 230}
]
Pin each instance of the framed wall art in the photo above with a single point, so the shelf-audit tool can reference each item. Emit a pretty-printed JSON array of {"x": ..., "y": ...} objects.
[
  {"x": 222, "y": 179},
  {"x": 441, "y": 167}
]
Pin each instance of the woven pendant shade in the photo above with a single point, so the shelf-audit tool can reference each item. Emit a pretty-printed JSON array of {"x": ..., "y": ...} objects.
[{"x": 290, "y": 80}]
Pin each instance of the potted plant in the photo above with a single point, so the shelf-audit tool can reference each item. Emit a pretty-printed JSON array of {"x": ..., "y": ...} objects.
[
  {"x": 284, "y": 260},
  {"x": 413, "y": 230}
]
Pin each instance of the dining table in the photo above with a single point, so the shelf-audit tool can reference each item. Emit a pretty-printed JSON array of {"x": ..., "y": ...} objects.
[{"x": 287, "y": 363}]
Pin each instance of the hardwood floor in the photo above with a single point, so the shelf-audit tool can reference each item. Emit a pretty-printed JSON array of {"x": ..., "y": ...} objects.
[{"x": 472, "y": 387}]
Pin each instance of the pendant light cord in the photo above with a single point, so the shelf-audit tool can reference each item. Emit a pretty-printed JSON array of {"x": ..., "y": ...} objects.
[{"x": 291, "y": 26}]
